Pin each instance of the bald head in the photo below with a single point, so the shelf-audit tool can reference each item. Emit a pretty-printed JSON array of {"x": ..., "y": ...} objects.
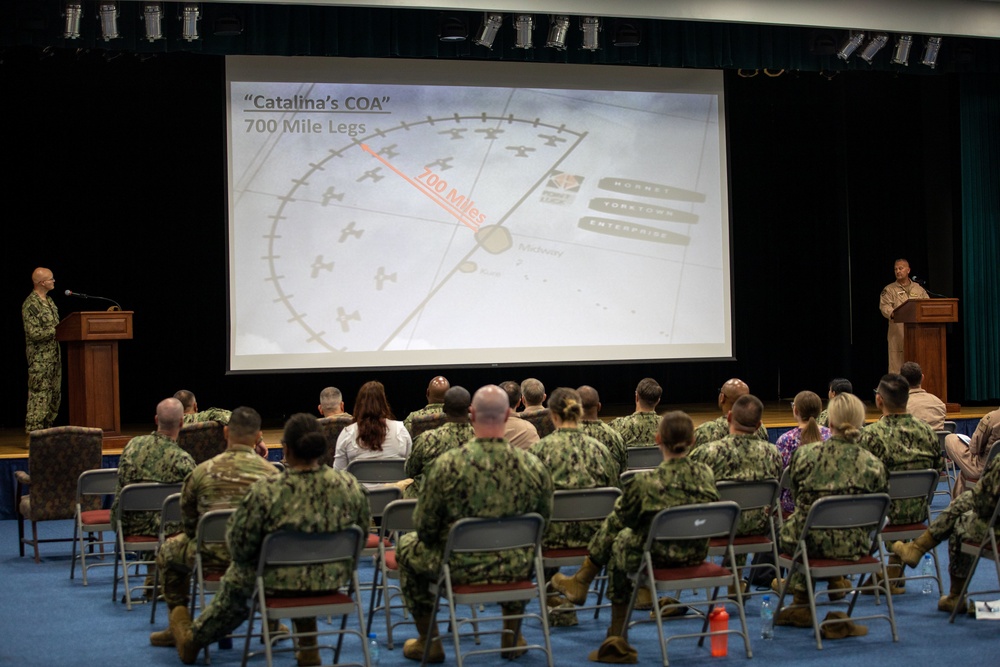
[
  {"x": 437, "y": 388},
  {"x": 490, "y": 409},
  {"x": 42, "y": 280},
  {"x": 169, "y": 415},
  {"x": 456, "y": 402},
  {"x": 591, "y": 401},
  {"x": 730, "y": 391}
]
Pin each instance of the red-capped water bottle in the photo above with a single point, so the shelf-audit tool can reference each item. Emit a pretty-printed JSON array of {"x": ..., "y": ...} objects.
[{"x": 718, "y": 621}]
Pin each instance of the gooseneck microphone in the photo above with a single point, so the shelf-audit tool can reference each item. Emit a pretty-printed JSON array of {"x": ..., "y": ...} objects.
[
  {"x": 923, "y": 283},
  {"x": 87, "y": 296}
]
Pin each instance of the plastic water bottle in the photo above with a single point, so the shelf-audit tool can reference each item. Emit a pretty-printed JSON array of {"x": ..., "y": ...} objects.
[
  {"x": 718, "y": 621},
  {"x": 926, "y": 570},
  {"x": 766, "y": 618},
  {"x": 374, "y": 652}
]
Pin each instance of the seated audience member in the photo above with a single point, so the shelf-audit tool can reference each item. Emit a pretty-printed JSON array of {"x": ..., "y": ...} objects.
[
  {"x": 485, "y": 477},
  {"x": 594, "y": 426},
  {"x": 837, "y": 466},
  {"x": 218, "y": 483},
  {"x": 374, "y": 433},
  {"x": 308, "y": 497},
  {"x": 965, "y": 519},
  {"x": 805, "y": 409},
  {"x": 837, "y": 386},
  {"x": 924, "y": 406},
  {"x": 969, "y": 454},
  {"x": 429, "y": 445},
  {"x": 639, "y": 428},
  {"x": 192, "y": 415},
  {"x": 619, "y": 542},
  {"x": 435, "y": 400},
  {"x": 717, "y": 429},
  {"x": 533, "y": 395},
  {"x": 331, "y": 403},
  {"x": 520, "y": 433}
]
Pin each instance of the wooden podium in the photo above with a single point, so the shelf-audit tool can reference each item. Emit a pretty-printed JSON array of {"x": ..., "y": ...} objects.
[
  {"x": 92, "y": 338},
  {"x": 925, "y": 339}
]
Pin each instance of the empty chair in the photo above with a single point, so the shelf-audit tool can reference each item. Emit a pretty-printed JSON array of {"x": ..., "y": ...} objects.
[
  {"x": 92, "y": 488},
  {"x": 397, "y": 519},
  {"x": 377, "y": 471}
]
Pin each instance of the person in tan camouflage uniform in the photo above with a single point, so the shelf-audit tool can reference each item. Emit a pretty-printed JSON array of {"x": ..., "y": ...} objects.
[
  {"x": 40, "y": 317},
  {"x": 219, "y": 483},
  {"x": 639, "y": 428},
  {"x": 591, "y": 424},
  {"x": 455, "y": 432},
  {"x": 308, "y": 496}
]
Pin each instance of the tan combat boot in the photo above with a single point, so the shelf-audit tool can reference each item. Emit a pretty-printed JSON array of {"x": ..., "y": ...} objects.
[
  {"x": 575, "y": 588},
  {"x": 798, "y": 616},
  {"x": 414, "y": 648},
  {"x": 180, "y": 623},
  {"x": 911, "y": 552},
  {"x": 615, "y": 649},
  {"x": 512, "y": 638},
  {"x": 307, "y": 653},
  {"x": 947, "y": 603}
]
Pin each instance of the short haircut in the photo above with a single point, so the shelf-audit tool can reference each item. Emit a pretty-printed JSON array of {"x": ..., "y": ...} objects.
[
  {"x": 533, "y": 391},
  {"x": 747, "y": 411},
  {"x": 894, "y": 390},
  {"x": 841, "y": 385},
  {"x": 186, "y": 398},
  {"x": 912, "y": 373},
  {"x": 676, "y": 431},
  {"x": 566, "y": 404},
  {"x": 304, "y": 437},
  {"x": 244, "y": 422},
  {"x": 330, "y": 398},
  {"x": 590, "y": 398},
  {"x": 513, "y": 390},
  {"x": 457, "y": 401},
  {"x": 649, "y": 391}
]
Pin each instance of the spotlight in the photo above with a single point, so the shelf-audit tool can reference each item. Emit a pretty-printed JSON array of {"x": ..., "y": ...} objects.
[
  {"x": 591, "y": 27},
  {"x": 851, "y": 45},
  {"x": 524, "y": 24},
  {"x": 190, "y": 15},
  {"x": 931, "y": 50},
  {"x": 73, "y": 13},
  {"x": 107, "y": 11},
  {"x": 873, "y": 46},
  {"x": 488, "y": 30},
  {"x": 227, "y": 25},
  {"x": 901, "y": 54},
  {"x": 627, "y": 33},
  {"x": 558, "y": 28},
  {"x": 452, "y": 29}
]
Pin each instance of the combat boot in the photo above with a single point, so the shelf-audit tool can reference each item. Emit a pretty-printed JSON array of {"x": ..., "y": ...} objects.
[
  {"x": 414, "y": 648},
  {"x": 798, "y": 616},
  {"x": 164, "y": 637},
  {"x": 180, "y": 623},
  {"x": 512, "y": 638},
  {"x": 911, "y": 552},
  {"x": 615, "y": 649},
  {"x": 575, "y": 588},
  {"x": 307, "y": 653},
  {"x": 949, "y": 602}
]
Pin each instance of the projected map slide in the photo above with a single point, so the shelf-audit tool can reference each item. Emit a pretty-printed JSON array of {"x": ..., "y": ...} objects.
[{"x": 376, "y": 223}]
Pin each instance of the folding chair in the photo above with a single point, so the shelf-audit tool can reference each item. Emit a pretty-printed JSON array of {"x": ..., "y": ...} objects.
[
  {"x": 785, "y": 483},
  {"x": 575, "y": 506},
  {"x": 987, "y": 548},
  {"x": 211, "y": 530},
  {"x": 761, "y": 495},
  {"x": 641, "y": 458},
  {"x": 397, "y": 519},
  {"x": 474, "y": 536},
  {"x": 143, "y": 497},
  {"x": 949, "y": 473},
  {"x": 292, "y": 548},
  {"x": 990, "y": 455},
  {"x": 904, "y": 485},
  {"x": 866, "y": 511},
  {"x": 377, "y": 471},
  {"x": 378, "y": 498},
  {"x": 691, "y": 522},
  {"x": 170, "y": 513},
  {"x": 95, "y": 521}
]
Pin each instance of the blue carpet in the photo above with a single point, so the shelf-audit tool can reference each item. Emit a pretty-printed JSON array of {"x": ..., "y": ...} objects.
[{"x": 46, "y": 619}]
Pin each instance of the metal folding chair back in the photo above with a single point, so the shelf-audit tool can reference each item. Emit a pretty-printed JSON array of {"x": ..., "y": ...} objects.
[
  {"x": 756, "y": 495},
  {"x": 90, "y": 522},
  {"x": 642, "y": 458},
  {"x": 377, "y": 471},
  {"x": 397, "y": 519},
  {"x": 986, "y": 549},
  {"x": 143, "y": 497},
  {"x": 170, "y": 513},
  {"x": 905, "y": 485}
]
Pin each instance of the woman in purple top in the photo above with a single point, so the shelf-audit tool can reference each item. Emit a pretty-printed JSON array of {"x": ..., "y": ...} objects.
[{"x": 805, "y": 408}]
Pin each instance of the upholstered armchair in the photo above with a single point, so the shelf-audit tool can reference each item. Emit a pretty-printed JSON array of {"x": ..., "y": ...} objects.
[{"x": 202, "y": 440}]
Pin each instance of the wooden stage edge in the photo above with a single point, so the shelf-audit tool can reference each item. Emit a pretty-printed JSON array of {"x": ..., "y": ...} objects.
[{"x": 776, "y": 415}]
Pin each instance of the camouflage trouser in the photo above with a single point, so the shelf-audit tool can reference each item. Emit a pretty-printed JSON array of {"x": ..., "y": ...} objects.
[
  {"x": 44, "y": 389},
  {"x": 419, "y": 566},
  {"x": 229, "y": 608},
  {"x": 969, "y": 527},
  {"x": 943, "y": 525},
  {"x": 626, "y": 558},
  {"x": 175, "y": 560},
  {"x": 850, "y": 544}
]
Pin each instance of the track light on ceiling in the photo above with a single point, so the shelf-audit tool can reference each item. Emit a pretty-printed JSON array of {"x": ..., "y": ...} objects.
[
  {"x": 591, "y": 27},
  {"x": 558, "y": 29},
  {"x": 873, "y": 46},
  {"x": 107, "y": 12},
  {"x": 627, "y": 33},
  {"x": 190, "y": 15},
  {"x": 931, "y": 49},
  {"x": 854, "y": 40},
  {"x": 488, "y": 30},
  {"x": 452, "y": 29},
  {"x": 73, "y": 14},
  {"x": 152, "y": 17},
  {"x": 901, "y": 54},
  {"x": 524, "y": 25}
]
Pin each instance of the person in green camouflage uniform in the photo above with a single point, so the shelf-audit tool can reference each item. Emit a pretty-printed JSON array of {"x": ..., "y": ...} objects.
[
  {"x": 619, "y": 542},
  {"x": 639, "y": 428},
  {"x": 718, "y": 429},
  {"x": 591, "y": 424},
  {"x": 40, "y": 317},
  {"x": 436, "y": 389},
  {"x": 486, "y": 477},
  {"x": 454, "y": 433},
  {"x": 832, "y": 467},
  {"x": 308, "y": 496},
  {"x": 153, "y": 458},
  {"x": 837, "y": 386},
  {"x": 965, "y": 519},
  {"x": 331, "y": 403},
  {"x": 219, "y": 483},
  {"x": 192, "y": 415}
]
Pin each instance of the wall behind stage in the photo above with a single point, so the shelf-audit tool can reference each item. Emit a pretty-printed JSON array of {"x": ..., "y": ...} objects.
[{"x": 116, "y": 175}]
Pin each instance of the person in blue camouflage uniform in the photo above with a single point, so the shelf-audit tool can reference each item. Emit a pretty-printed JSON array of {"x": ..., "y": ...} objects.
[
  {"x": 619, "y": 542},
  {"x": 436, "y": 389},
  {"x": 965, "y": 519},
  {"x": 308, "y": 496},
  {"x": 591, "y": 424},
  {"x": 718, "y": 429},
  {"x": 832, "y": 467},
  {"x": 219, "y": 483},
  {"x": 454, "y": 433},
  {"x": 639, "y": 428},
  {"x": 486, "y": 477},
  {"x": 153, "y": 458},
  {"x": 40, "y": 317},
  {"x": 837, "y": 386}
]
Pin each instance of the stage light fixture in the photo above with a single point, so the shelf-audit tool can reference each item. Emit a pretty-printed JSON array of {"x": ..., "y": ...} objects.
[
  {"x": 452, "y": 29},
  {"x": 901, "y": 54},
  {"x": 627, "y": 33},
  {"x": 152, "y": 17},
  {"x": 190, "y": 15},
  {"x": 873, "y": 46},
  {"x": 854, "y": 40},
  {"x": 107, "y": 12},
  {"x": 931, "y": 49},
  {"x": 558, "y": 29},
  {"x": 73, "y": 14},
  {"x": 488, "y": 30},
  {"x": 524, "y": 25},
  {"x": 591, "y": 27}
]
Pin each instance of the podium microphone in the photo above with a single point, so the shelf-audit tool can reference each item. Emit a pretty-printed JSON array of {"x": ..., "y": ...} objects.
[
  {"x": 923, "y": 283},
  {"x": 80, "y": 295}
]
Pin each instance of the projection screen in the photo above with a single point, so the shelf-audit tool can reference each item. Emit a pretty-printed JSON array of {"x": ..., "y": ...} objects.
[{"x": 387, "y": 213}]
